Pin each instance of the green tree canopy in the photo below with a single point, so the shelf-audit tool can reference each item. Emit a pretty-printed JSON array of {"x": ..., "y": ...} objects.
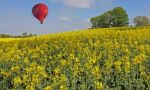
[
  {"x": 23, "y": 35},
  {"x": 141, "y": 21},
  {"x": 119, "y": 17},
  {"x": 116, "y": 17}
]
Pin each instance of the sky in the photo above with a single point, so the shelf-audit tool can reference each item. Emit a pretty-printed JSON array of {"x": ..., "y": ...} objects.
[{"x": 64, "y": 15}]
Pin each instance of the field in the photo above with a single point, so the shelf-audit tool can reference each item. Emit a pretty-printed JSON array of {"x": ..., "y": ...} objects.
[{"x": 95, "y": 59}]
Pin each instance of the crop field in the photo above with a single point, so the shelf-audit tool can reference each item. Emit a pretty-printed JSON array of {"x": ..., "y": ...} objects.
[{"x": 95, "y": 59}]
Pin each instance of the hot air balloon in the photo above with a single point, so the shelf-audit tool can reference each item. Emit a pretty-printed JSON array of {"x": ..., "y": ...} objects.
[{"x": 40, "y": 11}]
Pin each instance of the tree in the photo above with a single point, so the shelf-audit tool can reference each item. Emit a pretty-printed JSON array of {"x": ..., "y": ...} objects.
[
  {"x": 5, "y": 36},
  {"x": 101, "y": 21},
  {"x": 24, "y": 34},
  {"x": 141, "y": 21},
  {"x": 112, "y": 18},
  {"x": 95, "y": 22},
  {"x": 30, "y": 35},
  {"x": 119, "y": 17}
]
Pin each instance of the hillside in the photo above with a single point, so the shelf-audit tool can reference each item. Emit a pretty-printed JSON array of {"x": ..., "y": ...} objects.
[{"x": 95, "y": 59}]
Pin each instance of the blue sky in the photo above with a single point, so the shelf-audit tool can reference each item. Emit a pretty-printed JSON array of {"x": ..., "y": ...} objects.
[{"x": 64, "y": 15}]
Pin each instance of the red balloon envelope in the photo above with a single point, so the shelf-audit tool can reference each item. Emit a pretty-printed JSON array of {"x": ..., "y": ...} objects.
[{"x": 40, "y": 11}]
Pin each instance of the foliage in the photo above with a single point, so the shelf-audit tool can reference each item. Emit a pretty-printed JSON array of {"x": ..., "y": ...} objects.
[
  {"x": 5, "y": 36},
  {"x": 116, "y": 17},
  {"x": 108, "y": 59},
  {"x": 102, "y": 21},
  {"x": 141, "y": 21},
  {"x": 24, "y": 35},
  {"x": 119, "y": 17}
]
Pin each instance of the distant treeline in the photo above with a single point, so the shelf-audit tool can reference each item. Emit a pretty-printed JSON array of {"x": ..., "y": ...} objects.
[
  {"x": 117, "y": 17},
  {"x": 23, "y": 35}
]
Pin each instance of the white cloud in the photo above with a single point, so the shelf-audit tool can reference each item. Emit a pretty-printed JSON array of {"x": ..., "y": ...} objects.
[
  {"x": 76, "y": 3},
  {"x": 84, "y": 3},
  {"x": 65, "y": 19}
]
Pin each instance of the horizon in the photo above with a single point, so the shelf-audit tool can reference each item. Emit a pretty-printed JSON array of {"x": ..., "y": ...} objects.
[{"x": 64, "y": 15}]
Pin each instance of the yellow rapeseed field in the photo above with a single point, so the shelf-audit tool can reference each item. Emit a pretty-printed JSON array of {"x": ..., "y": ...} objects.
[{"x": 95, "y": 59}]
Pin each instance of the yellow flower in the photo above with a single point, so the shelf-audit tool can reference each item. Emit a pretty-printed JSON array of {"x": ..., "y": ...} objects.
[
  {"x": 33, "y": 64},
  {"x": 127, "y": 51},
  {"x": 56, "y": 70},
  {"x": 6, "y": 74},
  {"x": 30, "y": 87},
  {"x": 93, "y": 60},
  {"x": 63, "y": 62},
  {"x": 44, "y": 74},
  {"x": 127, "y": 66},
  {"x": 48, "y": 87},
  {"x": 71, "y": 56},
  {"x": 117, "y": 66},
  {"x": 136, "y": 42},
  {"x": 142, "y": 69},
  {"x": 15, "y": 68},
  {"x": 40, "y": 68},
  {"x": 28, "y": 70},
  {"x": 25, "y": 78},
  {"x": 77, "y": 60},
  {"x": 138, "y": 59},
  {"x": 99, "y": 85},
  {"x": 96, "y": 71},
  {"x": 117, "y": 63},
  {"x": 26, "y": 60},
  {"x": 35, "y": 79},
  {"x": 63, "y": 87},
  {"x": 63, "y": 78},
  {"x": 17, "y": 81},
  {"x": 88, "y": 65}
]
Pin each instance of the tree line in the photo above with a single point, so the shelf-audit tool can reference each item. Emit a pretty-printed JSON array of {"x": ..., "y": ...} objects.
[
  {"x": 117, "y": 17},
  {"x": 23, "y": 35}
]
